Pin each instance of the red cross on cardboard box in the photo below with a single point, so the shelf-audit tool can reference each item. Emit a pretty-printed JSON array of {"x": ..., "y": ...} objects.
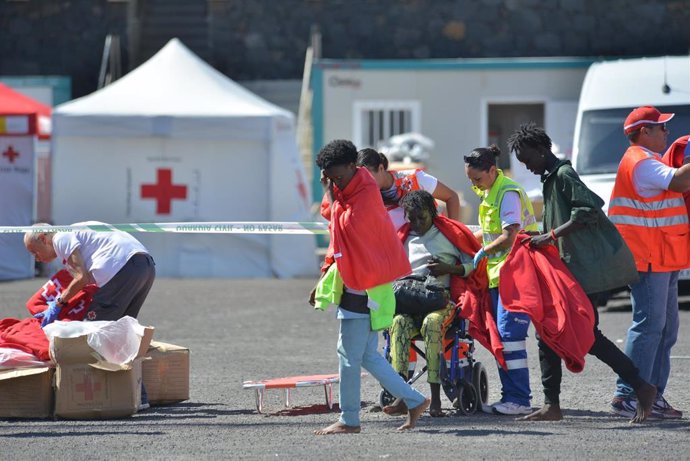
[
  {"x": 164, "y": 191},
  {"x": 11, "y": 154},
  {"x": 88, "y": 387}
]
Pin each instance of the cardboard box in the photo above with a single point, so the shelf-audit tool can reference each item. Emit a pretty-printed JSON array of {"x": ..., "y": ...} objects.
[
  {"x": 166, "y": 373},
  {"x": 86, "y": 387},
  {"x": 26, "y": 393},
  {"x": 83, "y": 391}
]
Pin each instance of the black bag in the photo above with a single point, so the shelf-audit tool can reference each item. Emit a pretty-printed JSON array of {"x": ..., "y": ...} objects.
[{"x": 419, "y": 294}]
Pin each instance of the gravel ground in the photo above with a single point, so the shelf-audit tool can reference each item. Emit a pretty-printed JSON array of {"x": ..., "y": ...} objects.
[{"x": 242, "y": 330}]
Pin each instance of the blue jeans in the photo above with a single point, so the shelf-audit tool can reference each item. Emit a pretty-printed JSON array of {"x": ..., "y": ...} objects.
[
  {"x": 512, "y": 327},
  {"x": 357, "y": 348},
  {"x": 654, "y": 329}
]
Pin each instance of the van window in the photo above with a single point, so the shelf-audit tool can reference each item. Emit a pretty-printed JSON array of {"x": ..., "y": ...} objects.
[{"x": 602, "y": 142}]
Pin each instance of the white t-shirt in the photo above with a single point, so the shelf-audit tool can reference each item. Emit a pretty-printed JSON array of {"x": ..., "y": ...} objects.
[
  {"x": 426, "y": 182},
  {"x": 104, "y": 253},
  {"x": 651, "y": 176},
  {"x": 511, "y": 209},
  {"x": 419, "y": 249}
]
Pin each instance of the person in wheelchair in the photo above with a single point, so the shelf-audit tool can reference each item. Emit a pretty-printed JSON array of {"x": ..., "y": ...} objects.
[{"x": 431, "y": 253}]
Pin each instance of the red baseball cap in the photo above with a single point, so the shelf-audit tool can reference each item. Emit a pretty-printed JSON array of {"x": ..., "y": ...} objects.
[{"x": 645, "y": 115}]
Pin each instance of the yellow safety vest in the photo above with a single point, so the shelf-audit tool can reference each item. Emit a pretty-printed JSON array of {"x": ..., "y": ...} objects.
[{"x": 490, "y": 219}]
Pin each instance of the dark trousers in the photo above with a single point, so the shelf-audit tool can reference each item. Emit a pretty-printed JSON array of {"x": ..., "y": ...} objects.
[
  {"x": 603, "y": 349},
  {"x": 125, "y": 293}
]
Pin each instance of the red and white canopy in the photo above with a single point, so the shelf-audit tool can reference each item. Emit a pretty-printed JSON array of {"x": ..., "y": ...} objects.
[{"x": 20, "y": 115}]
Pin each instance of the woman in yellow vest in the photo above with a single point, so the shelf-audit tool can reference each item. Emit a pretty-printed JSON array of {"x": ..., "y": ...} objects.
[{"x": 504, "y": 211}]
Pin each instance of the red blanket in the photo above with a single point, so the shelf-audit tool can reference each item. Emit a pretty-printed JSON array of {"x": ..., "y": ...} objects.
[
  {"x": 674, "y": 156},
  {"x": 471, "y": 294},
  {"x": 74, "y": 310},
  {"x": 363, "y": 241},
  {"x": 25, "y": 335},
  {"x": 537, "y": 283}
]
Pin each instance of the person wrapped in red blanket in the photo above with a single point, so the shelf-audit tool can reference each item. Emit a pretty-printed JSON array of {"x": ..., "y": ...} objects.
[
  {"x": 470, "y": 294},
  {"x": 364, "y": 257}
]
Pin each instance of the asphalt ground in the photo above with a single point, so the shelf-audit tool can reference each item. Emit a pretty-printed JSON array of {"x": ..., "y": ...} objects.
[{"x": 242, "y": 330}]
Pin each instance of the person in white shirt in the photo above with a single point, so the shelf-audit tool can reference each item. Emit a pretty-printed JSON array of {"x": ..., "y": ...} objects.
[
  {"x": 115, "y": 261},
  {"x": 394, "y": 185}
]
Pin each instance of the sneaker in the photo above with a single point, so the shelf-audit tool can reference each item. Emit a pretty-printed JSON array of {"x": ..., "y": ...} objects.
[
  {"x": 664, "y": 410},
  {"x": 511, "y": 408},
  {"x": 624, "y": 406}
]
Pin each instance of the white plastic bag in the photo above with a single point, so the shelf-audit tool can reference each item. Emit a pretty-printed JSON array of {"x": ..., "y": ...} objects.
[
  {"x": 15, "y": 358},
  {"x": 117, "y": 342}
]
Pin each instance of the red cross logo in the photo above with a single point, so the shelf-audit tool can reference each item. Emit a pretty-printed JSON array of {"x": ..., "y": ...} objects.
[
  {"x": 88, "y": 387},
  {"x": 164, "y": 191},
  {"x": 11, "y": 154}
]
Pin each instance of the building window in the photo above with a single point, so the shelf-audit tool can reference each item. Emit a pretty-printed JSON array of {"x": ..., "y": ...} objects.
[{"x": 376, "y": 121}]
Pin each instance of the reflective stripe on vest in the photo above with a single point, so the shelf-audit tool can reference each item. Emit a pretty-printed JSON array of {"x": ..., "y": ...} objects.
[
  {"x": 647, "y": 206},
  {"x": 655, "y": 228},
  {"x": 650, "y": 222},
  {"x": 490, "y": 220}
]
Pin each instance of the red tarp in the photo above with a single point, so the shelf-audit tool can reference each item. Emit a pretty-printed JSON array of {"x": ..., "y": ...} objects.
[{"x": 13, "y": 103}]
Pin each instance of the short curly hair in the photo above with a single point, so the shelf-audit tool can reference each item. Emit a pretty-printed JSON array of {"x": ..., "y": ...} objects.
[
  {"x": 336, "y": 152},
  {"x": 529, "y": 134},
  {"x": 419, "y": 200}
]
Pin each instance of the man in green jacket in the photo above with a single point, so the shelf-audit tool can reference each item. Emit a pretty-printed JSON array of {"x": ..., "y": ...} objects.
[{"x": 593, "y": 250}]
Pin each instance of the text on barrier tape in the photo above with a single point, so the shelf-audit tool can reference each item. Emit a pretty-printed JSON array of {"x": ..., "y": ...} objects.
[{"x": 221, "y": 227}]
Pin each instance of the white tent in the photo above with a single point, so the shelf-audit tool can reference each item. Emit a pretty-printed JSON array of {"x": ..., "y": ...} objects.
[{"x": 175, "y": 140}]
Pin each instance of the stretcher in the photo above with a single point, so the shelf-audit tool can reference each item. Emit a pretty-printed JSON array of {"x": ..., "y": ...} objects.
[{"x": 292, "y": 382}]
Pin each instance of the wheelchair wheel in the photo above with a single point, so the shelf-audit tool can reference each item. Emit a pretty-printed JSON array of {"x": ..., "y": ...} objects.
[
  {"x": 480, "y": 381},
  {"x": 385, "y": 398},
  {"x": 467, "y": 401}
]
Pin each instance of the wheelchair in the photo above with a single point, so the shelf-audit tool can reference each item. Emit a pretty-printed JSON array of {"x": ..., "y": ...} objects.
[{"x": 463, "y": 379}]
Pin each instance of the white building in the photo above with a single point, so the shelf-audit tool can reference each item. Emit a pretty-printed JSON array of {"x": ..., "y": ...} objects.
[{"x": 460, "y": 104}]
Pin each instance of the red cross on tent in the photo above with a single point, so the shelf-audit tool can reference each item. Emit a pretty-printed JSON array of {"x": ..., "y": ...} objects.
[
  {"x": 88, "y": 387},
  {"x": 11, "y": 154},
  {"x": 164, "y": 191}
]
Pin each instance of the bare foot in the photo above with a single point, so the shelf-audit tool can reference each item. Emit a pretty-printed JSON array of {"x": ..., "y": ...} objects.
[
  {"x": 646, "y": 395},
  {"x": 338, "y": 428},
  {"x": 546, "y": 413},
  {"x": 397, "y": 408},
  {"x": 414, "y": 414}
]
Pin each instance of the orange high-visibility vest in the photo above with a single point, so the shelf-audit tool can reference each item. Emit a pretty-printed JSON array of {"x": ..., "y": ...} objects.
[
  {"x": 655, "y": 228},
  {"x": 405, "y": 182}
]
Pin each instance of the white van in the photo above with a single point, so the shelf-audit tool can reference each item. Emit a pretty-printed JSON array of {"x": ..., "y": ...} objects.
[{"x": 611, "y": 89}]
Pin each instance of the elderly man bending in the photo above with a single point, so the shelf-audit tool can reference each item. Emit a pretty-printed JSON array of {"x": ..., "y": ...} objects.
[{"x": 115, "y": 261}]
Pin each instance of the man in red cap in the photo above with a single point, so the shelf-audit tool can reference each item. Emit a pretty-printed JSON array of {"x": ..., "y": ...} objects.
[{"x": 648, "y": 209}]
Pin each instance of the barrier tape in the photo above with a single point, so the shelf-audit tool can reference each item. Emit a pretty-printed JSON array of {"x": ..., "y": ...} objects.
[{"x": 221, "y": 227}]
